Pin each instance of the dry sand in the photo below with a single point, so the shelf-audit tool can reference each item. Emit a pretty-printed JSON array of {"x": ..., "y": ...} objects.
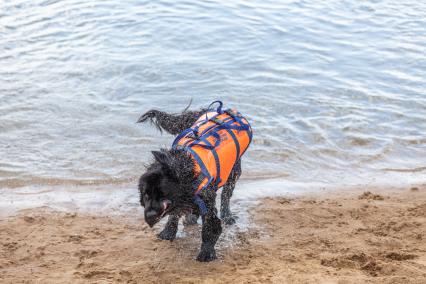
[{"x": 356, "y": 237}]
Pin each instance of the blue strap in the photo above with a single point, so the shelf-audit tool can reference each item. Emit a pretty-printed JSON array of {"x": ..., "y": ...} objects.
[
  {"x": 219, "y": 108},
  {"x": 195, "y": 129},
  {"x": 242, "y": 125},
  {"x": 180, "y": 136},
  {"x": 204, "y": 170},
  {"x": 214, "y": 126},
  {"x": 200, "y": 123},
  {"x": 201, "y": 205},
  {"x": 216, "y": 157},
  {"x": 217, "y": 137},
  {"x": 250, "y": 133},
  {"x": 200, "y": 163},
  {"x": 247, "y": 128},
  {"x": 236, "y": 118},
  {"x": 207, "y": 144},
  {"x": 237, "y": 127},
  {"x": 237, "y": 144}
]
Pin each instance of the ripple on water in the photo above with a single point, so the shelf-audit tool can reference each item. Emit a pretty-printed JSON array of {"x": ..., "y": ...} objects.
[{"x": 329, "y": 88}]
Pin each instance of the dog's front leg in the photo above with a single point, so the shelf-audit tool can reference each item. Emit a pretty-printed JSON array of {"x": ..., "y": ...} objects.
[
  {"x": 170, "y": 230},
  {"x": 210, "y": 233}
]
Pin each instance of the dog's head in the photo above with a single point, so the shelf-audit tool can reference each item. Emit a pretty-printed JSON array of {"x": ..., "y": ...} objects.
[{"x": 157, "y": 188}]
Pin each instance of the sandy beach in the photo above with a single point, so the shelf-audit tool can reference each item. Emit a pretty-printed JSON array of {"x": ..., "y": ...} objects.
[{"x": 362, "y": 236}]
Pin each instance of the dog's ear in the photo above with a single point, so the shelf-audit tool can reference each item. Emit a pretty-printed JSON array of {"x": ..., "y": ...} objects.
[
  {"x": 165, "y": 161},
  {"x": 161, "y": 157}
]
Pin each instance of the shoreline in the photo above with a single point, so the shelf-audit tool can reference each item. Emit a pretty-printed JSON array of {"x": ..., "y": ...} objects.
[
  {"x": 107, "y": 200},
  {"x": 338, "y": 237}
]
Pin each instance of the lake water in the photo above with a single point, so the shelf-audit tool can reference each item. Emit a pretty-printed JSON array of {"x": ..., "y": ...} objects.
[{"x": 335, "y": 90}]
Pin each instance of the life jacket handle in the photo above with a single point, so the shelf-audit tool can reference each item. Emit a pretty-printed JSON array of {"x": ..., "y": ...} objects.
[
  {"x": 209, "y": 108},
  {"x": 219, "y": 108}
]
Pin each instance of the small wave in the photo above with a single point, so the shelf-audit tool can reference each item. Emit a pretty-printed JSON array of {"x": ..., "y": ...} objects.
[
  {"x": 358, "y": 141},
  {"x": 342, "y": 95},
  {"x": 413, "y": 170},
  {"x": 38, "y": 181}
]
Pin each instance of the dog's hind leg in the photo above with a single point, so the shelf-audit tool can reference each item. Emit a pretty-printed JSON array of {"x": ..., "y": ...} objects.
[
  {"x": 170, "y": 230},
  {"x": 211, "y": 230},
  {"x": 227, "y": 191},
  {"x": 171, "y": 123}
]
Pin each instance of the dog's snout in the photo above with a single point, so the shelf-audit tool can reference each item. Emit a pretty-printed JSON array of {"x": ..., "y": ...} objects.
[
  {"x": 151, "y": 217},
  {"x": 151, "y": 213}
]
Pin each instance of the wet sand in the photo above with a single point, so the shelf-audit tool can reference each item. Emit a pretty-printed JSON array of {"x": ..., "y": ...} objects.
[{"x": 362, "y": 236}]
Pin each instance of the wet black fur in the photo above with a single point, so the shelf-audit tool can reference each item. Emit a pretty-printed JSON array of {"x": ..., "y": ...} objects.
[{"x": 171, "y": 177}]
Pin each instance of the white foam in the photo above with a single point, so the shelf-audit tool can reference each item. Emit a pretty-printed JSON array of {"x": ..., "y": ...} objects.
[{"x": 125, "y": 199}]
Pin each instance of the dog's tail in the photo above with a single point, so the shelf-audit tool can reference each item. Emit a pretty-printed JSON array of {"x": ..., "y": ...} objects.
[
  {"x": 187, "y": 107},
  {"x": 151, "y": 116},
  {"x": 164, "y": 121}
]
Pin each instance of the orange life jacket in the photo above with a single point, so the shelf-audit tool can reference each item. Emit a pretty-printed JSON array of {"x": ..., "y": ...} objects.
[{"x": 216, "y": 141}]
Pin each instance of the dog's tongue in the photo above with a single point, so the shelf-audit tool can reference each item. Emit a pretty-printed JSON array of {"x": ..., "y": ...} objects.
[{"x": 166, "y": 204}]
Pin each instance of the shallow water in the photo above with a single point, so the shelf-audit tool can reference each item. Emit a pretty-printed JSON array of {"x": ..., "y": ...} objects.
[{"x": 335, "y": 90}]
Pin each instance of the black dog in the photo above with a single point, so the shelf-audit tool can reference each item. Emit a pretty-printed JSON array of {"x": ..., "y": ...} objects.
[{"x": 168, "y": 186}]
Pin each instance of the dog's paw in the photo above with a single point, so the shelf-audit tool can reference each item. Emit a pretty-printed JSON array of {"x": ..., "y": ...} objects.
[
  {"x": 167, "y": 235},
  {"x": 229, "y": 220},
  {"x": 207, "y": 255}
]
